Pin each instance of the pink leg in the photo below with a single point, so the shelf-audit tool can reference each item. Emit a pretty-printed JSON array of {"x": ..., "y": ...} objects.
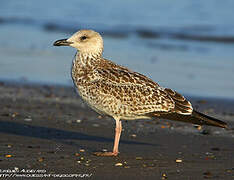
[{"x": 118, "y": 130}]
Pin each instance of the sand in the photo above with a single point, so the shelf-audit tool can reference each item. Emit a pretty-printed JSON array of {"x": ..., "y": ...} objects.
[{"x": 49, "y": 131}]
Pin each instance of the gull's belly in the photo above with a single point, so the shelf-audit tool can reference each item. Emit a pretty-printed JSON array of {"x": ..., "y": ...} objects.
[
  {"x": 107, "y": 105},
  {"x": 94, "y": 99}
]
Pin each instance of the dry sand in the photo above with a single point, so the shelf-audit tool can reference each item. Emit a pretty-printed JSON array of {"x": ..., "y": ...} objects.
[{"x": 50, "y": 129}]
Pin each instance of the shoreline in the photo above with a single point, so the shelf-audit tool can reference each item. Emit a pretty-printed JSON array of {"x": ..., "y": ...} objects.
[{"x": 49, "y": 127}]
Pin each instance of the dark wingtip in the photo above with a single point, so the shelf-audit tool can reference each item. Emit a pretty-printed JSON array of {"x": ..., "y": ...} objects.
[
  {"x": 224, "y": 125},
  {"x": 210, "y": 120}
]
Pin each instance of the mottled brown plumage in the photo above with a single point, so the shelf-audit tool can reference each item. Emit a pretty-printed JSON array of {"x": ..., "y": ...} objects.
[{"x": 114, "y": 90}]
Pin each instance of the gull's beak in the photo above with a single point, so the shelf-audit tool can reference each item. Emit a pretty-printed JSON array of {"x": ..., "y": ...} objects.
[{"x": 62, "y": 42}]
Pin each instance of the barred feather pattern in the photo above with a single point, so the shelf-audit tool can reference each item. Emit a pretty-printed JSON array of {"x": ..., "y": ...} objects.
[{"x": 114, "y": 90}]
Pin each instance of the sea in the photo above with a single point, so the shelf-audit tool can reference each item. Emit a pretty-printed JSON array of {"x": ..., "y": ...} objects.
[{"x": 186, "y": 45}]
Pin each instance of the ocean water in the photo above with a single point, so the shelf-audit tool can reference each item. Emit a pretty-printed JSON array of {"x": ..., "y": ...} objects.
[{"x": 186, "y": 45}]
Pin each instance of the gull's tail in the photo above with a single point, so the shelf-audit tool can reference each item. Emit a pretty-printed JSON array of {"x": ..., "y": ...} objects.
[{"x": 195, "y": 118}]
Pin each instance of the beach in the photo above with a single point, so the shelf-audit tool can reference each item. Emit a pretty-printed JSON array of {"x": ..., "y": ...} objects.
[{"x": 49, "y": 129}]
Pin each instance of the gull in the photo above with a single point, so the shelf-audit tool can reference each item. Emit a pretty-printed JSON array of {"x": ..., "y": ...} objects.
[{"x": 116, "y": 91}]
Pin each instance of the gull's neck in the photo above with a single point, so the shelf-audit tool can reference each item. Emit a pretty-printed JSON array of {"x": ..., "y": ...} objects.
[
  {"x": 87, "y": 59},
  {"x": 84, "y": 63}
]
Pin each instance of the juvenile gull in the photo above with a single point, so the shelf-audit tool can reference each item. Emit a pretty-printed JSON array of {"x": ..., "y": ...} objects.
[{"x": 116, "y": 91}]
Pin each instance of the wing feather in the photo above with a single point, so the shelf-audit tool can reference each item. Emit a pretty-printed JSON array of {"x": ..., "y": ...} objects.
[
  {"x": 182, "y": 106},
  {"x": 139, "y": 93}
]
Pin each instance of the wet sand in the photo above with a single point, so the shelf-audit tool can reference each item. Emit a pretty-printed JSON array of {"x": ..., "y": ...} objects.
[{"x": 49, "y": 128}]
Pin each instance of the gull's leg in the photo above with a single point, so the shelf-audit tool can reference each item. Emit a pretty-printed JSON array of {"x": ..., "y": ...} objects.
[{"x": 118, "y": 129}]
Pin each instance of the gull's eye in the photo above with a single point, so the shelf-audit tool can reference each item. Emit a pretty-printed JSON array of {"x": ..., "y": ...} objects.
[{"x": 83, "y": 38}]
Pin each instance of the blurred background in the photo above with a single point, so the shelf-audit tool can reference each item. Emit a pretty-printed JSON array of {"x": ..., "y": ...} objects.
[{"x": 187, "y": 45}]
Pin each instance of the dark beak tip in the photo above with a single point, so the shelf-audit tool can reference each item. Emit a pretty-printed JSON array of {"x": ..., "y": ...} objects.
[
  {"x": 61, "y": 42},
  {"x": 55, "y": 43}
]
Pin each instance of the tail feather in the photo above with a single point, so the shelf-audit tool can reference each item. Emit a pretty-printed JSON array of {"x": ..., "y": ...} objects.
[{"x": 195, "y": 118}]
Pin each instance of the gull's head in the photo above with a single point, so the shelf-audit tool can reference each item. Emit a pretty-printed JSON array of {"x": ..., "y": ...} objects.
[{"x": 85, "y": 41}]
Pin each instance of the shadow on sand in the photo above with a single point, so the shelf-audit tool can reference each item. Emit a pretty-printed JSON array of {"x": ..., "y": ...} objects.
[{"x": 61, "y": 136}]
